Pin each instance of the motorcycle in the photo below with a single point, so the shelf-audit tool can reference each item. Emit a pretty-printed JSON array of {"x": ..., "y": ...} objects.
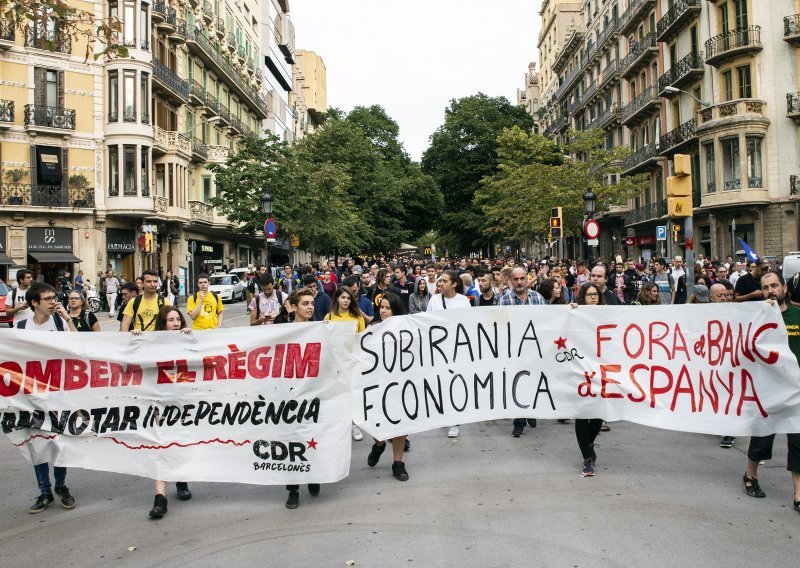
[{"x": 93, "y": 299}]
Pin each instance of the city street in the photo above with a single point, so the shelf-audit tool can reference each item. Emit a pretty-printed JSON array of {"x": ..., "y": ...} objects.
[{"x": 659, "y": 498}]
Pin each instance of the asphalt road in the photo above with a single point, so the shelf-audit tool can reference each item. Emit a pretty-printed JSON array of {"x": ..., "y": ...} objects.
[{"x": 659, "y": 498}]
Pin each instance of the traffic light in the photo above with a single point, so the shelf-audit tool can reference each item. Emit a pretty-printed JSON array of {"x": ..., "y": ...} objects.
[
  {"x": 679, "y": 188},
  {"x": 556, "y": 224},
  {"x": 676, "y": 229}
]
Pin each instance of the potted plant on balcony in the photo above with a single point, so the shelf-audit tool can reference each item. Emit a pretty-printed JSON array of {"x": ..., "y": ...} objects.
[
  {"x": 13, "y": 177},
  {"x": 78, "y": 185}
]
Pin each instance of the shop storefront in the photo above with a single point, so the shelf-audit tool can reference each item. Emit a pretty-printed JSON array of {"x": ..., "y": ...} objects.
[
  {"x": 206, "y": 257},
  {"x": 5, "y": 260},
  {"x": 121, "y": 247},
  {"x": 50, "y": 252},
  {"x": 647, "y": 247}
]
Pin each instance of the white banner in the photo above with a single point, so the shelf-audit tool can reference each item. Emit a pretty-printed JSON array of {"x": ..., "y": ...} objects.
[
  {"x": 262, "y": 405},
  {"x": 713, "y": 369}
]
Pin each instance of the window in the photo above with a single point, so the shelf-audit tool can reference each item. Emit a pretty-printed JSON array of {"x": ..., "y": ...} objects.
[
  {"x": 113, "y": 14},
  {"x": 754, "y": 161},
  {"x": 113, "y": 96},
  {"x": 51, "y": 89},
  {"x": 129, "y": 24},
  {"x": 160, "y": 183},
  {"x": 144, "y": 96},
  {"x": 745, "y": 86},
  {"x": 206, "y": 189},
  {"x": 711, "y": 168},
  {"x": 129, "y": 170},
  {"x": 144, "y": 168},
  {"x": 129, "y": 96},
  {"x": 727, "y": 79},
  {"x": 113, "y": 171},
  {"x": 730, "y": 163}
]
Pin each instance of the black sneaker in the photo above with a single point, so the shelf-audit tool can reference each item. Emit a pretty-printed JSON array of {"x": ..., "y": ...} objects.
[
  {"x": 375, "y": 454},
  {"x": 313, "y": 489},
  {"x": 532, "y": 422},
  {"x": 67, "y": 500},
  {"x": 797, "y": 506},
  {"x": 753, "y": 488},
  {"x": 42, "y": 502},
  {"x": 159, "y": 507},
  {"x": 294, "y": 500},
  {"x": 183, "y": 491},
  {"x": 517, "y": 431},
  {"x": 407, "y": 447},
  {"x": 588, "y": 468},
  {"x": 727, "y": 442},
  {"x": 399, "y": 471}
]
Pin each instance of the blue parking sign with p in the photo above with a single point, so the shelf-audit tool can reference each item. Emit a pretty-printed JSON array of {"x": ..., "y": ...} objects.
[{"x": 661, "y": 233}]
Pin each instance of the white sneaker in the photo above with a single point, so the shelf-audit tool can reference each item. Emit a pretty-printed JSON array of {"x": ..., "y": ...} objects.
[
  {"x": 357, "y": 435},
  {"x": 452, "y": 432}
]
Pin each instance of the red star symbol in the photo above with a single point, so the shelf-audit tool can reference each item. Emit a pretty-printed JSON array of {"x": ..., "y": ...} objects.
[
  {"x": 312, "y": 444},
  {"x": 561, "y": 343}
]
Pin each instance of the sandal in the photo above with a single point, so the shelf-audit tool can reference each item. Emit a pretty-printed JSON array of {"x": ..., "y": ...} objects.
[{"x": 751, "y": 487}]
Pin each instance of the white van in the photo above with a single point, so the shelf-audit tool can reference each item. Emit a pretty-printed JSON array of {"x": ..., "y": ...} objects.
[{"x": 791, "y": 264}]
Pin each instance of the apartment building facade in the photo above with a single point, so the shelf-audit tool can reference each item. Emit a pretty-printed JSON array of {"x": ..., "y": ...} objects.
[
  {"x": 93, "y": 151},
  {"x": 701, "y": 77}
]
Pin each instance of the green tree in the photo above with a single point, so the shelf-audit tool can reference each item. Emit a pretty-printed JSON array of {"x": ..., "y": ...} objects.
[
  {"x": 462, "y": 152},
  {"x": 532, "y": 178}
]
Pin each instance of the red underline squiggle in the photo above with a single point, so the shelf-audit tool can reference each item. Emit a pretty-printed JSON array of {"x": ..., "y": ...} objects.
[
  {"x": 178, "y": 445},
  {"x": 50, "y": 437}
]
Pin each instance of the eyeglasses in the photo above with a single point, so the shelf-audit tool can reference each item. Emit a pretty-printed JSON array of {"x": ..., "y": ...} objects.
[
  {"x": 591, "y": 294},
  {"x": 48, "y": 299}
]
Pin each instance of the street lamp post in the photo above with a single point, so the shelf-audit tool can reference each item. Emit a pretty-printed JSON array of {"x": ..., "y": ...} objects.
[
  {"x": 266, "y": 208},
  {"x": 589, "y": 202}
]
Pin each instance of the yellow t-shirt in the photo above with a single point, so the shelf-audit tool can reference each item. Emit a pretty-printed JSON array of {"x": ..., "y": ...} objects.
[
  {"x": 209, "y": 313},
  {"x": 145, "y": 319},
  {"x": 347, "y": 317}
]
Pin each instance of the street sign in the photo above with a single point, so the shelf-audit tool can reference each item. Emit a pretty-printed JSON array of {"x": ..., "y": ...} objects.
[
  {"x": 188, "y": 256},
  {"x": 295, "y": 241},
  {"x": 592, "y": 242},
  {"x": 270, "y": 228},
  {"x": 661, "y": 233},
  {"x": 591, "y": 229},
  {"x": 193, "y": 246},
  {"x": 629, "y": 241}
]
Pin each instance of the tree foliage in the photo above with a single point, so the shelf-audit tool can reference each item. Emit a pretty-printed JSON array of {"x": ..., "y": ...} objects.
[
  {"x": 534, "y": 175},
  {"x": 462, "y": 152},
  {"x": 54, "y": 21}
]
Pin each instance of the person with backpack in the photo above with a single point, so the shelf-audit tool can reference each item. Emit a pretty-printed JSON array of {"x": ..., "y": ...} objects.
[
  {"x": 48, "y": 314},
  {"x": 266, "y": 304},
  {"x": 16, "y": 304},
  {"x": 127, "y": 292},
  {"x": 204, "y": 306},
  {"x": 142, "y": 310},
  {"x": 79, "y": 313}
]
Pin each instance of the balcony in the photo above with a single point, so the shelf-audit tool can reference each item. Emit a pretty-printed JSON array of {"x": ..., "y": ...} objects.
[
  {"x": 684, "y": 71},
  {"x": 247, "y": 131},
  {"x": 199, "y": 151},
  {"x": 208, "y": 12},
  {"x": 169, "y": 22},
  {"x": 26, "y": 195},
  {"x": 259, "y": 76},
  {"x": 643, "y": 158},
  {"x": 611, "y": 31},
  {"x": 201, "y": 212},
  {"x": 609, "y": 116},
  {"x": 794, "y": 186},
  {"x": 6, "y": 113},
  {"x": 158, "y": 12},
  {"x": 251, "y": 67},
  {"x": 641, "y": 53},
  {"x": 170, "y": 141},
  {"x": 588, "y": 92},
  {"x": 212, "y": 105},
  {"x": 169, "y": 84},
  {"x": 241, "y": 54},
  {"x": 560, "y": 124},
  {"x": 645, "y": 102},
  {"x": 180, "y": 33},
  {"x": 631, "y": 16},
  {"x": 610, "y": 73},
  {"x": 7, "y": 35},
  {"x": 648, "y": 212},
  {"x": 791, "y": 29},
  {"x": 675, "y": 139},
  {"x": 236, "y": 124},
  {"x": 224, "y": 113},
  {"x": 231, "y": 41},
  {"x": 673, "y": 21},
  {"x": 576, "y": 104},
  {"x": 729, "y": 45},
  {"x": 44, "y": 118},
  {"x": 220, "y": 28},
  {"x": 197, "y": 93},
  {"x": 573, "y": 42},
  {"x": 56, "y": 43},
  {"x": 792, "y": 106},
  {"x": 218, "y": 154},
  {"x": 568, "y": 82},
  {"x": 743, "y": 112}
]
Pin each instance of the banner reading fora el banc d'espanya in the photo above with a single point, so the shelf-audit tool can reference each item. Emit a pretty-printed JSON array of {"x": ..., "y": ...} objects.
[
  {"x": 261, "y": 405},
  {"x": 694, "y": 368}
]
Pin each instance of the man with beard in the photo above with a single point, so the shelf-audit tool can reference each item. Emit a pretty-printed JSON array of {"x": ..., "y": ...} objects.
[
  {"x": 747, "y": 287},
  {"x": 488, "y": 296}
]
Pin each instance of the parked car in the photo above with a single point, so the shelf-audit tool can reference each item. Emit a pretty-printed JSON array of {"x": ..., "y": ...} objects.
[
  {"x": 229, "y": 287},
  {"x": 4, "y": 317}
]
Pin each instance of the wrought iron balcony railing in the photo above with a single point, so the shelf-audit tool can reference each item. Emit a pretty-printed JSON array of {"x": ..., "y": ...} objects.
[
  {"x": 7, "y": 32},
  {"x": 50, "y": 117},
  {"x": 6, "y": 111},
  {"x": 689, "y": 64},
  {"x": 684, "y": 133},
  {"x": 673, "y": 16},
  {"x": 733, "y": 40},
  {"x": 167, "y": 76},
  {"x": 40, "y": 39},
  {"x": 27, "y": 195}
]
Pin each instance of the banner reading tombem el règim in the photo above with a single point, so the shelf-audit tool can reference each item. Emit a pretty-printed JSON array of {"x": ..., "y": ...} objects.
[
  {"x": 264, "y": 405},
  {"x": 715, "y": 369}
]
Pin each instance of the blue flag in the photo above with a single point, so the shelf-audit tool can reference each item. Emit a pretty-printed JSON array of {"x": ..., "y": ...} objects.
[{"x": 751, "y": 256}]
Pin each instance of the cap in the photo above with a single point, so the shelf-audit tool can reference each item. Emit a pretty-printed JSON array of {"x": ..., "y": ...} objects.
[{"x": 700, "y": 292}]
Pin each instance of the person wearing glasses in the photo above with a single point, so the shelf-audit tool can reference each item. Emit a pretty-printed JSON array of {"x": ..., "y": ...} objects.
[
  {"x": 48, "y": 314},
  {"x": 79, "y": 313}
]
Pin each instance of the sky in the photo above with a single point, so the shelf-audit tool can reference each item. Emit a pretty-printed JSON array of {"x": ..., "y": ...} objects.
[{"x": 413, "y": 56}]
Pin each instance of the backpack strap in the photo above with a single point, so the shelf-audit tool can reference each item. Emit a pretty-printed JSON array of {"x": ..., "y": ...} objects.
[{"x": 59, "y": 323}]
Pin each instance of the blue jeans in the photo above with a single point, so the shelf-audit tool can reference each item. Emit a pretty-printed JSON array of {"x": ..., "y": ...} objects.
[{"x": 43, "y": 477}]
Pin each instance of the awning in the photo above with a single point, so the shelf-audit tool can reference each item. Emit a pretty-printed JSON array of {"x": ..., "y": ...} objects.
[
  {"x": 5, "y": 259},
  {"x": 41, "y": 256}
]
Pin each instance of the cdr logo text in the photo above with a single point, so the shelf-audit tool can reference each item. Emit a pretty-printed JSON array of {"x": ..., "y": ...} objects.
[{"x": 280, "y": 456}]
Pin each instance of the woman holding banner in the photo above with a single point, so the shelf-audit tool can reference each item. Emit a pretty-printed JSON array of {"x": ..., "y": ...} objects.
[
  {"x": 586, "y": 429},
  {"x": 169, "y": 318},
  {"x": 391, "y": 305}
]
